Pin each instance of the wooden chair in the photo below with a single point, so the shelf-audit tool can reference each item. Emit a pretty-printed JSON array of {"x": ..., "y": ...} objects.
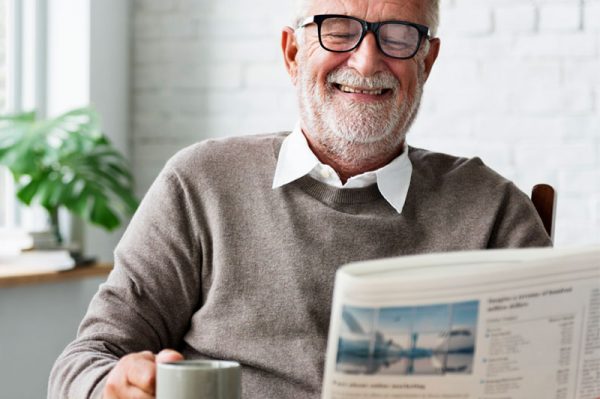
[{"x": 543, "y": 197}]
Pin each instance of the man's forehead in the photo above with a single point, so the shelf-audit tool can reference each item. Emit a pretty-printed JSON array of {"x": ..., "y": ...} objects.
[{"x": 371, "y": 10}]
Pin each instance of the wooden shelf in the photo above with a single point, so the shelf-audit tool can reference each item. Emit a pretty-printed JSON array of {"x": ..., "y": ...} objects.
[{"x": 30, "y": 277}]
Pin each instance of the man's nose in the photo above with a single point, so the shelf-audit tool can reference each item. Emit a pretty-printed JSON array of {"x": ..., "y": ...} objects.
[{"x": 367, "y": 59}]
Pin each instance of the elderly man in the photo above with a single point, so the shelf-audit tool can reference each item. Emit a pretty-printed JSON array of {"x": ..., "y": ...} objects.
[{"x": 233, "y": 251}]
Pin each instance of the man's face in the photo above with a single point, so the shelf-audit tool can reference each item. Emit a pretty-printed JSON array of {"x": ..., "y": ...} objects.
[{"x": 359, "y": 104}]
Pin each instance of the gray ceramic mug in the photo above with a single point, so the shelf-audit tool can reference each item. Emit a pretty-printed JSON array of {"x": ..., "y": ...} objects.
[{"x": 199, "y": 379}]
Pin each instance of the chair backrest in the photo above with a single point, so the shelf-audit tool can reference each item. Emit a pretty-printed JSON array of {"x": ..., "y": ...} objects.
[{"x": 543, "y": 197}]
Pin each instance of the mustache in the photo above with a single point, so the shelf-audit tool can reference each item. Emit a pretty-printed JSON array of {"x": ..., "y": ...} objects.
[{"x": 348, "y": 77}]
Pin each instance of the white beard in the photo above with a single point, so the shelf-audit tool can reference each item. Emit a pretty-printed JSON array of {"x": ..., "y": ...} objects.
[{"x": 355, "y": 131}]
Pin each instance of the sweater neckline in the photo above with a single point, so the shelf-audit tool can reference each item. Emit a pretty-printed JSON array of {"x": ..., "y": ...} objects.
[{"x": 335, "y": 195}]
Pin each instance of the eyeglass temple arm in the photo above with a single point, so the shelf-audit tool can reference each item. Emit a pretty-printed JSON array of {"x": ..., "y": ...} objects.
[{"x": 305, "y": 22}]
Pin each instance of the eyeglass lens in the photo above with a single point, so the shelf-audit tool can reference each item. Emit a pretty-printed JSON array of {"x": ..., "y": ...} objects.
[{"x": 343, "y": 34}]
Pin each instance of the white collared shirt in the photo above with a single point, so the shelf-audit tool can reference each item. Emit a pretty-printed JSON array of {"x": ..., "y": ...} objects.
[{"x": 296, "y": 160}]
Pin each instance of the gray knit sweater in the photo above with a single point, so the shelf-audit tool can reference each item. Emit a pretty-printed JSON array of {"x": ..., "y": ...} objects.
[{"x": 217, "y": 264}]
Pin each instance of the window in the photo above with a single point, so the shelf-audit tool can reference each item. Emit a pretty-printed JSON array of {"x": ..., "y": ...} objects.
[
  {"x": 5, "y": 183},
  {"x": 3, "y": 23},
  {"x": 22, "y": 87}
]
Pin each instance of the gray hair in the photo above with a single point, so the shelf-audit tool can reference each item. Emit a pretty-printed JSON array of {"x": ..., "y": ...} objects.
[
  {"x": 433, "y": 16},
  {"x": 301, "y": 7},
  {"x": 299, "y": 11}
]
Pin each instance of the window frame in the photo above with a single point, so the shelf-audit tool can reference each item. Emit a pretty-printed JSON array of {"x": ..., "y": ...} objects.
[{"x": 26, "y": 89}]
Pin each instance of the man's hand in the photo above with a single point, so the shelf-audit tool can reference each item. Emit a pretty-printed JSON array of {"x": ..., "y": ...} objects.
[{"x": 134, "y": 376}]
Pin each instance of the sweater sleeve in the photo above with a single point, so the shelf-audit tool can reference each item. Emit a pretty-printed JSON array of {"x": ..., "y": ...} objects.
[
  {"x": 517, "y": 223},
  {"x": 148, "y": 299}
]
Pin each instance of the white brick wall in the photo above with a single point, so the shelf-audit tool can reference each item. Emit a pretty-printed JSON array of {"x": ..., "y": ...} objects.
[
  {"x": 517, "y": 83},
  {"x": 205, "y": 68}
]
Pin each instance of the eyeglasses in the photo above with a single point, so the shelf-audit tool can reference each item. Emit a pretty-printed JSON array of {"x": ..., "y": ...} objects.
[{"x": 343, "y": 33}]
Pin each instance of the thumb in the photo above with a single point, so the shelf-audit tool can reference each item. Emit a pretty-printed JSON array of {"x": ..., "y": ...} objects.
[{"x": 168, "y": 355}]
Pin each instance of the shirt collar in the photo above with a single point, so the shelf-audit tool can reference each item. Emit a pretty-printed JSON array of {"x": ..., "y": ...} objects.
[{"x": 296, "y": 160}]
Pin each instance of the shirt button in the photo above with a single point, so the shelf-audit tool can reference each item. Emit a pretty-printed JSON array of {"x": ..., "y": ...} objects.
[{"x": 325, "y": 173}]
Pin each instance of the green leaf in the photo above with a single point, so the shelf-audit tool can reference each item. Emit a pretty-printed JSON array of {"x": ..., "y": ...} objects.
[
  {"x": 80, "y": 205},
  {"x": 28, "y": 192},
  {"x": 51, "y": 191},
  {"x": 69, "y": 163},
  {"x": 102, "y": 214},
  {"x": 20, "y": 117}
]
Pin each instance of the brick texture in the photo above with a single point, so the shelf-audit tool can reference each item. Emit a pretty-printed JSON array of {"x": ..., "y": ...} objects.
[{"x": 516, "y": 83}]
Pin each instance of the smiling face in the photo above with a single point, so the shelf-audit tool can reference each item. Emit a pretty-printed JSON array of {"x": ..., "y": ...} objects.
[{"x": 356, "y": 107}]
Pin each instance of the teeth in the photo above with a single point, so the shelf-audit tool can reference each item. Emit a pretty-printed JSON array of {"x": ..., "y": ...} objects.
[{"x": 347, "y": 89}]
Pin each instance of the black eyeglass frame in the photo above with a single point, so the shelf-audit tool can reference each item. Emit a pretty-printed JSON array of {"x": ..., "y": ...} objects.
[{"x": 367, "y": 27}]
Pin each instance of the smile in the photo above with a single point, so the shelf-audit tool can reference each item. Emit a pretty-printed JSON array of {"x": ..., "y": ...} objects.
[{"x": 355, "y": 90}]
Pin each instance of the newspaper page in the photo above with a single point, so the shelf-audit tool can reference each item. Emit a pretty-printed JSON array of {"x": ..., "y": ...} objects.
[{"x": 508, "y": 324}]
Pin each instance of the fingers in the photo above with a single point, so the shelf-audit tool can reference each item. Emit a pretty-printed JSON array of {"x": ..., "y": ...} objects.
[
  {"x": 141, "y": 372},
  {"x": 168, "y": 355},
  {"x": 133, "y": 377}
]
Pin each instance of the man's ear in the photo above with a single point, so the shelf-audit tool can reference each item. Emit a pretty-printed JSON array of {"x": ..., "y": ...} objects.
[
  {"x": 434, "y": 50},
  {"x": 289, "y": 45}
]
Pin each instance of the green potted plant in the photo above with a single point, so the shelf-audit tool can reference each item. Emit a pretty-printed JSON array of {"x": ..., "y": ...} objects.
[{"x": 67, "y": 162}]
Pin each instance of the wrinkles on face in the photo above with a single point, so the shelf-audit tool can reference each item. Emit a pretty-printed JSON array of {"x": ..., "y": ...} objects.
[
  {"x": 356, "y": 131},
  {"x": 348, "y": 128}
]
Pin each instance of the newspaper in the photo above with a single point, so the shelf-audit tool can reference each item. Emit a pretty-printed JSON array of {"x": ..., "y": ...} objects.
[{"x": 502, "y": 324}]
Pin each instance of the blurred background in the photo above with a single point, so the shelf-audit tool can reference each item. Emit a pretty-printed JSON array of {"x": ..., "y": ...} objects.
[{"x": 517, "y": 83}]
